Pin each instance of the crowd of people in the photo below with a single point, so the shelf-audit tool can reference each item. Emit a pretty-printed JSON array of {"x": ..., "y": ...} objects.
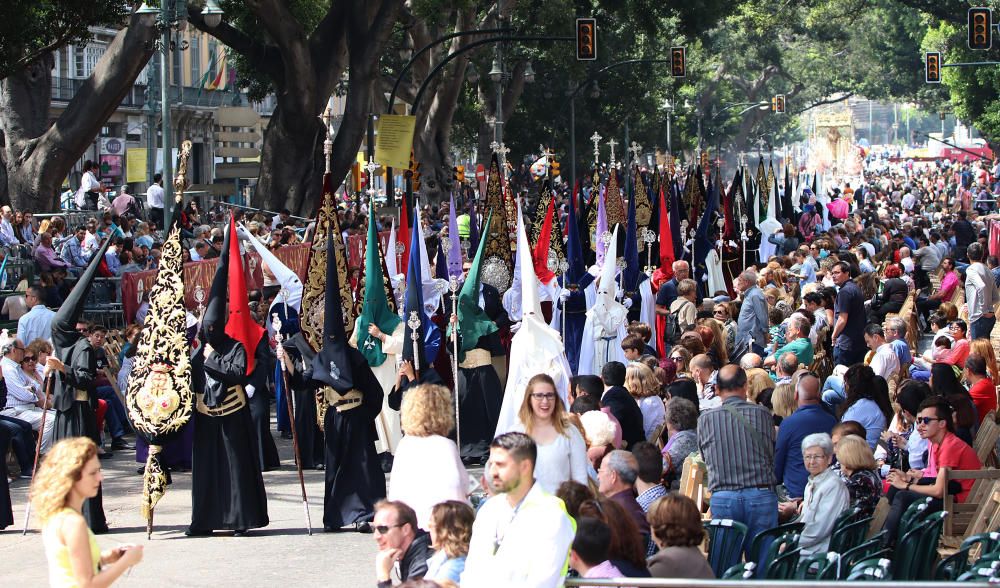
[{"x": 794, "y": 386}]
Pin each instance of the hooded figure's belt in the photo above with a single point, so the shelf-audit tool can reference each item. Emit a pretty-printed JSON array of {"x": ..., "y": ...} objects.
[
  {"x": 232, "y": 403},
  {"x": 476, "y": 358},
  {"x": 342, "y": 402},
  {"x": 81, "y": 395}
]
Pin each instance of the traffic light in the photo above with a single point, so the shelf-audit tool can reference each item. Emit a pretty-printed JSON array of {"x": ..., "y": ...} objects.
[
  {"x": 932, "y": 67},
  {"x": 356, "y": 177},
  {"x": 678, "y": 62},
  {"x": 779, "y": 104},
  {"x": 555, "y": 169},
  {"x": 980, "y": 28},
  {"x": 459, "y": 173},
  {"x": 586, "y": 39}
]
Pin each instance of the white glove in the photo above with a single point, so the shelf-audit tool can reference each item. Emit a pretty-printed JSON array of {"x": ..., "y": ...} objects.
[
  {"x": 689, "y": 243},
  {"x": 564, "y": 295},
  {"x": 250, "y": 389},
  {"x": 732, "y": 243},
  {"x": 718, "y": 243},
  {"x": 515, "y": 327},
  {"x": 704, "y": 277},
  {"x": 627, "y": 303}
]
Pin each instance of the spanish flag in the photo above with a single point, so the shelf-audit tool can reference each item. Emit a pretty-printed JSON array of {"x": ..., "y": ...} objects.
[{"x": 219, "y": 83}]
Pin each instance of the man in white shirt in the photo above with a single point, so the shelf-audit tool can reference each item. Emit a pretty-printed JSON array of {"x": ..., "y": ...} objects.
[
  {"x": 154, "y": 201},
  {"x": 24, "y": 396},
  {"x": 981, "y": 294},
  {"x": 885, "y": 362},
  {"x": 90, "y": 187},
  {"x": 522, "y": 535},
  {"x": 7, "y": 236},
  {"x": 37, "y": 322}
]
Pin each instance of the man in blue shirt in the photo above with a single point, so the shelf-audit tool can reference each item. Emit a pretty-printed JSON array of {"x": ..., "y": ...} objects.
[
  {"x": 72, "y": 251},
  {"x": 810, "y": 417},
  {"x": 895, "y": 335},
  {"x": 752, "y": 323}
]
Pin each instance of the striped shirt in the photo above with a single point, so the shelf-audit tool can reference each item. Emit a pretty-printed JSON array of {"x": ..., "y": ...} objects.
[{"x": 736, "y": 457}]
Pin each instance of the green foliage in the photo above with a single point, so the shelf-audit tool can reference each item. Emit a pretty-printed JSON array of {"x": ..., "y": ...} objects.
[
  {"x": 30, "y": 28},
  {"x": 308, "y": 13}
]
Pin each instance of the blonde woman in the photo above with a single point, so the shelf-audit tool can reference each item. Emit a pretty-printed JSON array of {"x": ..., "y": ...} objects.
[
  {"x": 562, "y": 452},
  {"x": 70, "y": 474},
  {"x": 643, "y": 385},
  {"x": 427, "y": 468},
  {"x": 718, "y": 346},
  {"x": 783, "y": 401},
  {"x": 451, "y": 532},
  {"x": 984, "y": 348}
]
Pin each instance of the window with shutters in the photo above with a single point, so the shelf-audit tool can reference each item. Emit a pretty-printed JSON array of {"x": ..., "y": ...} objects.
[{"x": 195, "y": 50}]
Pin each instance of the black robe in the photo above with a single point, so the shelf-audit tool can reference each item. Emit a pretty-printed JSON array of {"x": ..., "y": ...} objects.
[
  {"x": 78, "y": 418},
  {"x": 6, "y": 511},
  {"x": 227, "y": 488},
  {"x": 354, "y": 477},
  {"x": 260, "y": 407},
  {"x": 480, "y": 397},
  {"x": 310, "y": 436}
]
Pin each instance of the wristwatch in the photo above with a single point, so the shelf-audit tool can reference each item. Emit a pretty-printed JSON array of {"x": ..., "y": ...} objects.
[{"x": 908, "y": 484}]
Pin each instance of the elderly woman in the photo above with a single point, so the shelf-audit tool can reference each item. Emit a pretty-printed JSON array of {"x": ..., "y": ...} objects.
[
  {"x": 682, "y": 437},
  {"x": 427, "y": 468},
  {"x": 858, "y": 470},
  {"x": 825, "y": 497}
]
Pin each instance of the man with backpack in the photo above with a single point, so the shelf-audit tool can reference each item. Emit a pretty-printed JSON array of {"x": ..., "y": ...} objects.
[{"x": 683, "y": 313}]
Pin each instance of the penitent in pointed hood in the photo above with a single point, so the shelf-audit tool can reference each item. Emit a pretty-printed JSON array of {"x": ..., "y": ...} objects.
[
  {"x": 332, "y": 366},
  {"x": 375, "y": 309},
  {"x": 473, "y": 322},
  {"x": 64, "y": 333}
]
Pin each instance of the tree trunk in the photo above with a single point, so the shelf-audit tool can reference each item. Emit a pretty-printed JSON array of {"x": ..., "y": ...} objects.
[
  {"x": 38, "y": 155},
  {"x": 291, "y": 164}
]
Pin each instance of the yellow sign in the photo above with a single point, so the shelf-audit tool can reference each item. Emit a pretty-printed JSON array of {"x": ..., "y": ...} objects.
[
  {"x": 395, "y": 140},
  {"x": 135, "y": 165}
]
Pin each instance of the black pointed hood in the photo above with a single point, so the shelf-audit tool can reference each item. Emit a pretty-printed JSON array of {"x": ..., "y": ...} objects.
[
  {"x": 64, "y": 333},
  {"x": 332, "y": 366}
]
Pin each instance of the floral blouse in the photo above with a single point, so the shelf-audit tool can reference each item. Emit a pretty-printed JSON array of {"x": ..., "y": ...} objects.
[{"x": 865, "y": 488}]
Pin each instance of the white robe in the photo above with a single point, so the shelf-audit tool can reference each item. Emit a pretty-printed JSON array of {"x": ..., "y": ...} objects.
[
  {"x": 647, "y": 313},
  {"x": 387, "y": 424},
  {"x": 534, "y": 349},
  {"x": 594, "y": 354},
  {"x": 713, "y": 266}
]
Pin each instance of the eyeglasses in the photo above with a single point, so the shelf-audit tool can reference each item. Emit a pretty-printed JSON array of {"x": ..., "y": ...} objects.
[
  {"x": 813, "y": 457},
  {"x": 719, "y": 312},
  {"x": 542, "y": 397},
  {"x": 926, "y": 420},
  {"x": 677, "y": 357},
  {"x": 28, "y": 358},
  {"x": 383, "y": 529}
]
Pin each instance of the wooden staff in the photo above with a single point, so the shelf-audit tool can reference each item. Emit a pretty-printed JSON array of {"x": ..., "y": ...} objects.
[
  {"x": 280, "y": 351},
  {"x": 49, "y": 383}
]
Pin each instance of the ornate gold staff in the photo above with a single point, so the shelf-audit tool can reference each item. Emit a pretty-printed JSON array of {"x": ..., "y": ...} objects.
[{"x": 414, "y": 323}]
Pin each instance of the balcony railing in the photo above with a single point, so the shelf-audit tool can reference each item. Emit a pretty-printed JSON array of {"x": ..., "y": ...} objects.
[{"x": 64, "y": 89}]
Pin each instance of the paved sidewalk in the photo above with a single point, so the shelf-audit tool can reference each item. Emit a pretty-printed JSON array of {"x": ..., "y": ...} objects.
[{"x": 281, "y": 554}]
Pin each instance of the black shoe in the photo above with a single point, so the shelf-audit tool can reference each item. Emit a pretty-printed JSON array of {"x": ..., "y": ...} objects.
[
  {"x": 240, "y": 532},
  {"x": 385, "y": 461},
  {"x": 327, "y": 529},
  {"x": 120, "y": 444},
  {"x": 286, "y": 435},
  {"x": 141, "y": 470},
  {"x": 363, "y": 527},
  {"x": 197, "y": 533},
  {"x": 105, "y": 455},
  {"x": 319, "y": 466}
]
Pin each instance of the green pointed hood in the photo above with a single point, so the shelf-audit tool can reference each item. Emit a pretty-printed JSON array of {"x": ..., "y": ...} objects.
[
  {"x": 472, "y": 320},
  {"x": 375, "y": 309}
]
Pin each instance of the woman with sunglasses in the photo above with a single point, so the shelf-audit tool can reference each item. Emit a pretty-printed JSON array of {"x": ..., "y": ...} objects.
[{"x": 562, "y": 451}]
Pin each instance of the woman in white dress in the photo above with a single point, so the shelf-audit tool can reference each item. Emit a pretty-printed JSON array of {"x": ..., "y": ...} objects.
[
  {"x": 427, "y": 469},
  {"x": 562, "y": 452}
]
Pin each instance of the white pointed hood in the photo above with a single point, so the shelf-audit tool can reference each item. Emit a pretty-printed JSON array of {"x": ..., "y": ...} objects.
[
  {"x": 288, "y": 280},
  {"x": 607, "y": 313},
  {"x": 536, "y": 348}
]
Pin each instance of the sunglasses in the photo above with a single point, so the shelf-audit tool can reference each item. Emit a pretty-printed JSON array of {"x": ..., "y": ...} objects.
[
  {"x": 926, "y": 420},
  {"x": 28, "y": 358},
  {"x": 383, "y": 529}
]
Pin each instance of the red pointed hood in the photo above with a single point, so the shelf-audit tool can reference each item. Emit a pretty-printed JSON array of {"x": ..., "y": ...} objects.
[
  {"x": 240, "y": 324},
  {"x": 666, "y": 239},
  {"x": 541, "y": 253},
  {"x": 403, "y": 236}
]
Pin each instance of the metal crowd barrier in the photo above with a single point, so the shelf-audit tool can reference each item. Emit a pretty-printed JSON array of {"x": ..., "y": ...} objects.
[{"x": 680, "y": 582}]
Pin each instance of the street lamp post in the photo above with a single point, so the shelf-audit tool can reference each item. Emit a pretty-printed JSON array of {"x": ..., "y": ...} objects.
[
  {"x": 172, "y": 15},
  {"x": 669, "y": 107}
]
